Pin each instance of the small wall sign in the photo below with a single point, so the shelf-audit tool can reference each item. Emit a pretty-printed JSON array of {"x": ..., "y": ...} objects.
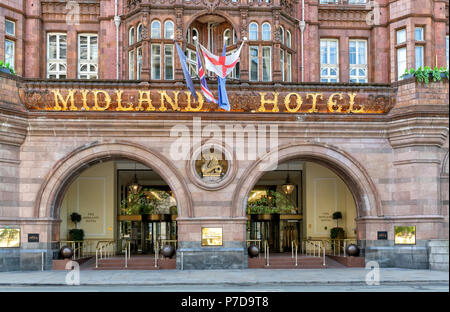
[
  {"x": 33, "y": 237},
  {"x": 383, "y": 235},
  {"x": 211, "y": 236}
]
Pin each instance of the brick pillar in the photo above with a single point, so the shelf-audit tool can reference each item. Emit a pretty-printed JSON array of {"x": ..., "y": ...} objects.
[
  {"x": 344, "y": 74},
  {"x": 34, "y": 41}
]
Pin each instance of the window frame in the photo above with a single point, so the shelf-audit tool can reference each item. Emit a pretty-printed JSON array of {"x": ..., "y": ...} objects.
[
  {"x": 131, "y": 36},
  {"x": 270, "y": 63},
  {"x": 152, "y": 55},
  {"x": 12, "y": 62},
  {"x": 329, "y": 66},
  {"x": 131, "y": 65},
  {"x": 250, "y": 31},
  {"x": 400, "y": 73},
  {"x": 172, "y": 60},
  {"x": 58, "y": 60},
  {"x": 14, "y": 27},
  {"x": 357, "y": 65},
  {"x": 250, "y": 62},
  {"x": 230, "y": 39},
  {"x": 151, "y": 29},
  {"x": 89, "y": 62},
  {"x": 263, "y": 31},
  {"x": 166, "y": 22}
]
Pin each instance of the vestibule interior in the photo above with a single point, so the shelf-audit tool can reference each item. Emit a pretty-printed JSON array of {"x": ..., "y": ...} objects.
[
  {"x": 120, "y": 201},
  {"x": 296, "y": 202}
]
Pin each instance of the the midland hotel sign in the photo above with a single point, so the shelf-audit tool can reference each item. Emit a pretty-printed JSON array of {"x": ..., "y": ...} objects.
[{"x": 283, "y": 100}]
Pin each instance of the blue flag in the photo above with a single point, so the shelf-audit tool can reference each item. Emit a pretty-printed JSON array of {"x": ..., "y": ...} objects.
[
  {"x": 223, "y": 97},
  {"x": 187, "y": 76}
]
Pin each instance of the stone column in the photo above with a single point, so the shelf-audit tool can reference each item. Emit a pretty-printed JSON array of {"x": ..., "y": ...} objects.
[{"x": 34, "y": 41}]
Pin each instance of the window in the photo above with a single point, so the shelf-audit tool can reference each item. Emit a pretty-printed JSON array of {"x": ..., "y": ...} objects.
[
  {"x": 156, "y": 61},
  {"x": 10, "y": 28},
  {"x": 266, "y": 63},
  {"x": 357, "y": 1},
  {"x": 131, "y": 36},
  {"x": 419, "y": 55},
  {"x": 168, "y": 61},
  {"x": 195, "y": 34},
  {"x": 446, "y": 48},
  {"x": 168, "y": 30},
  {"x": 188, "y": 35},
  {"x": 234, "y": 37},
  {"x": 282, "y": 64},
  {"x": 289, "y": 67},
  {"x": 227, "y": 37},
  {"x": 131, "y": 65},
  {"x": 418, "y": 34},
  {"x": 401, "y": 62},
  {"x": 87, "y": 56},
  {"x": 358, "y": 60},
  {"x": 266, "y": 32},
  {"x": 156, "y": 30},
  {"x": 191, "y": 60},
  {"x": 139, "y": 63},
  {"x": 9, "y": 53},
  {"x": 282, "y": 34},
  {"x": 139, "y": 33},
  {"x": 253, "y": 63},
  {"x": 288, "y": 39},
  {"x": 56, "y": 56},
  {"x": 253, "y": 31},
  {"x": 329, "y": 68},
  {"x": 235, "y": 73},
  {"x": 401, "y": 36}
]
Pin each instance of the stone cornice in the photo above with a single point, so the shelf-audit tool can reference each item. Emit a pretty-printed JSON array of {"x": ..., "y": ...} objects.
[{"x": 418, "y": 131}]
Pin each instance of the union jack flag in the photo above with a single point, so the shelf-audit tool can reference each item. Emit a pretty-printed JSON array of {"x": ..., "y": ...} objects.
[{"x": 201, "y": 74}]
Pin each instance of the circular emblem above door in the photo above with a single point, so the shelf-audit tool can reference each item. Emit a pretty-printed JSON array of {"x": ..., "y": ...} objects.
[{"x": 211, "y": 166}]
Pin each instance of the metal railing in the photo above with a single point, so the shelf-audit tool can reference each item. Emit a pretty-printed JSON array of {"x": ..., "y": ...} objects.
[
  {"x": 338, "y": 247},
  {"x": 156, "y": 253},
  {"x": 127, "y": 252},
  {"x": 294, "y": 247},
  {"x": 313, "y": 248},
  {"x": 105, "y": 249}
]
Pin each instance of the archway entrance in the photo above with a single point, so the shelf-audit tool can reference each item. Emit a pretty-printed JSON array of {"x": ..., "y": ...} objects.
[
  {"x": 119, "y": 204},
  {"x": 301, "y": 208}
]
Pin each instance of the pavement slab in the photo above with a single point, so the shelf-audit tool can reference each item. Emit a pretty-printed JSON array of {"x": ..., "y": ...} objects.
[{"x": 348, "y": 276}]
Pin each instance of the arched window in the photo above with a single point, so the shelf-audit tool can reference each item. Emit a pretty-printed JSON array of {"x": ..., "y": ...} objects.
[
  {"x": 168, "y": 30},
  {"x": 156, "y": 29},
  {"x": 195, "y": 34},
  {"x": 253, "y": 31},
  {"x": 234, "y": 36},
  {"x": 288, "y": 39},
  {"x": 188, "y": 35},
  {"x": 266, "y": 31},
  {"x": 282, "y": 34},
  {"x": 227, "y": 37},
  {"x": 139, "y": 33},
  {"x": 131, "y": 36}
]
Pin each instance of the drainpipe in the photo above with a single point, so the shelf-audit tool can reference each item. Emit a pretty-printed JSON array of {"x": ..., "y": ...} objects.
[
  {"x": 117, "y": 22},
  {"x": 302, "y": 25}
]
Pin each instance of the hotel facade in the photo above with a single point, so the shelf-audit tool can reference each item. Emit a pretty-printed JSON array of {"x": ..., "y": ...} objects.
[{"x": 326, "y": 143}]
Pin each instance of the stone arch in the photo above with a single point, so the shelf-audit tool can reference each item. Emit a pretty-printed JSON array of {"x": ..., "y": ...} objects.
[
  {"x": 66, "y": 170},
  {"x": 353, "y": 174},
  {"x": 219, "y": 13}
]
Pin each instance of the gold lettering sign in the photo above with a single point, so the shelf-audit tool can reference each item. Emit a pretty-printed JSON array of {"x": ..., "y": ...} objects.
[
  {"x": 212, "y": 236},
  {"x": 9, "y": 238},
  {"x": 132, "y": 100}
]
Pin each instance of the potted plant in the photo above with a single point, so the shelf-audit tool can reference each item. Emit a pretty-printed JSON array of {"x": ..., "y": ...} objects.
[
  {"x": 426, "y": 74},
  {"x": 337, "y": 232},
  {"x": 6, "y": 68},
  {"x": 76, "y": 234}
]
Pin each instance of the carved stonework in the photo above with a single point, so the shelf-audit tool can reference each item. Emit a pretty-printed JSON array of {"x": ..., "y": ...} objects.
[
  {"x": 179, "y": 24},
  {"x": 244, "y": 24},
  {"x": 211, "y": 5}
]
